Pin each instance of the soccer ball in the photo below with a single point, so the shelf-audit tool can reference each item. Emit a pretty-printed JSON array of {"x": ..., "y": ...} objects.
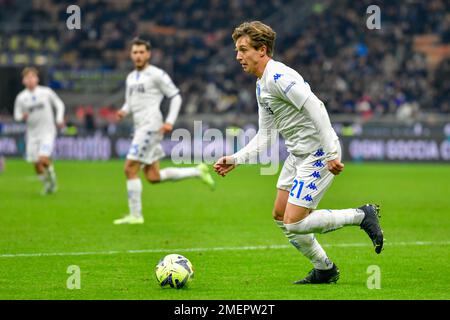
[{"x": 174, "y": 270}]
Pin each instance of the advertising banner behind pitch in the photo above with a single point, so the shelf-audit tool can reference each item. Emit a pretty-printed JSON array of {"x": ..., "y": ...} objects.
[
  {"x": 396, "y": 149},
  {"x": 103, "y": 147}
]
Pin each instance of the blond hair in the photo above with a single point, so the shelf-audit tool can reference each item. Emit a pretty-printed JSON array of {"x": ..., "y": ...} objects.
[
  {"x": 27, "y": 70},
  {"x": 259, "y": 34}
]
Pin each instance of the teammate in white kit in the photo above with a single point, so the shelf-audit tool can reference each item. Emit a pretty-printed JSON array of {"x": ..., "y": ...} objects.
[
  {"x": 287, "y": 105},
  {"x": 146, "y": 87},
  {"x": 34, "y": 106}
]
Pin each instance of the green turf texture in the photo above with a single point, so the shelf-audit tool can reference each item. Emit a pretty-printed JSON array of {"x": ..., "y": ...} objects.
[{"x": 415, "y": 207}]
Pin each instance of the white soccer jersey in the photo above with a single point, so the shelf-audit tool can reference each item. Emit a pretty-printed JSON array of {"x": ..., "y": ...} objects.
[
  {"x": 145, "y": 90},
  {"x": 281, "y": 93},
  {"x": 38, "y": 105}
]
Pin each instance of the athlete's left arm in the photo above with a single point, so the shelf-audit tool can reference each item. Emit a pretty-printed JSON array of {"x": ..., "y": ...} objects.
[
  {"x": 319, "y": 116},
  {"x": 174, "y": 109},
  {"x": 294, "y": 90},
  {"x": 321, "y": 120},
  {"x": 171, "y": 92},
  {"x": 59, "y": 106}
]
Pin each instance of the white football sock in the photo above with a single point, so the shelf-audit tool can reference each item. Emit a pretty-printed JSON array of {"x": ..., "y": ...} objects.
[
  {"x": 178, "y": 173},
  {"x": 51, "y": 175},
  {"x": 322, "y": 221},
  {"x": 134, "y": 188},
  {"x": 43, "y": 178},
  {"x": 308, "y": 245}
]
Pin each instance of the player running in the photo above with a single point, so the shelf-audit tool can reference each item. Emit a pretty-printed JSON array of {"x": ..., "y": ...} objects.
[
  {"x": 146, "y": 87},
  {"x": 33, "y": 105},
  {"x": 287, "y": 105}
]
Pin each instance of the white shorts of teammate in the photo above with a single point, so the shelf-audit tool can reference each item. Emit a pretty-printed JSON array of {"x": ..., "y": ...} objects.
[
  {"x": 306, "y": 178},
  {"x": 146, "y": 146},
  {"x": 39, "y": 147}
]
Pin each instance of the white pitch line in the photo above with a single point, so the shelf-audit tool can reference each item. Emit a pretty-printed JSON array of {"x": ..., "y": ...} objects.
[{"x": 243, "y": 248}]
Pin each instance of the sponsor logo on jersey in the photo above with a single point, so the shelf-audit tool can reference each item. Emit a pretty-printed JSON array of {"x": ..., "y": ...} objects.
[
  {"x": 35, "y": 107},
  {"x": 276, "y": 77},
  {"x": 267, "y": 108},
  {"x": 137, "y": 88}
]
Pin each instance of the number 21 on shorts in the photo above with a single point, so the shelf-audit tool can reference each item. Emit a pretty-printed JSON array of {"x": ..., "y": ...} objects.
[{"x": 296, "y": 189}]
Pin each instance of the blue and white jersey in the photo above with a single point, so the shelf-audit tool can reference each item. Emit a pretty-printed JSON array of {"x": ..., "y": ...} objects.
[
  {"x": 145, "y": 89},
  {"x": 38, "y": 105},
  {"x": 281, "y": 93}
]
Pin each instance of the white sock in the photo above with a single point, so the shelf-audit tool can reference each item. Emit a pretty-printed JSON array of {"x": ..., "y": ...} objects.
[
  {"x": 51, "y": 175},
  {"x": 308, "y": 245},
  {"x": 134, "y": 188},
  {"x": 43, "y": 178},
  {"x": 322, "y": 221},
  {"x": 178, "y": 173}
]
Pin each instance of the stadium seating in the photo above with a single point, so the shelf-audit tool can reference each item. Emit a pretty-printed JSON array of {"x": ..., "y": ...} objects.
[{"x": 353, "y": 69}]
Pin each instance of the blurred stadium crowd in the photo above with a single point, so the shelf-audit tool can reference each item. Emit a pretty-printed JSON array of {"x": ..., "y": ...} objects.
[{"x": 403, "y": 67}]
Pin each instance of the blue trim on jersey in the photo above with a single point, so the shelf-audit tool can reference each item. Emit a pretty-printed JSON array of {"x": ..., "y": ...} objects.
[
  {"x": 319, "y": 153},
  {"x": 315, "y": 174},
  {"x": 318, "y": 164},
  {"x": 312, "y": 186}
]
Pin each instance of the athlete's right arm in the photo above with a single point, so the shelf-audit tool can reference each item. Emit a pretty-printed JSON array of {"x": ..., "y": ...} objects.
[
  {"x": 224, "y": 165},
  {"x": 260, "y": 142},
  {"x": 19, "y": 114}
]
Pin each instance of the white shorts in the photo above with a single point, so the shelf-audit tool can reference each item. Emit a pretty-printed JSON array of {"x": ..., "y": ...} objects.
[
  {"x": 306, "y": 178},
  {"x": 39, "y": 147},
  {"x": 146, "y": 147}
]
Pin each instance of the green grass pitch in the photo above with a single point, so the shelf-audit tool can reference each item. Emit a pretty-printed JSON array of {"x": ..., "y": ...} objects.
[{"x": 226, "y": 234}]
